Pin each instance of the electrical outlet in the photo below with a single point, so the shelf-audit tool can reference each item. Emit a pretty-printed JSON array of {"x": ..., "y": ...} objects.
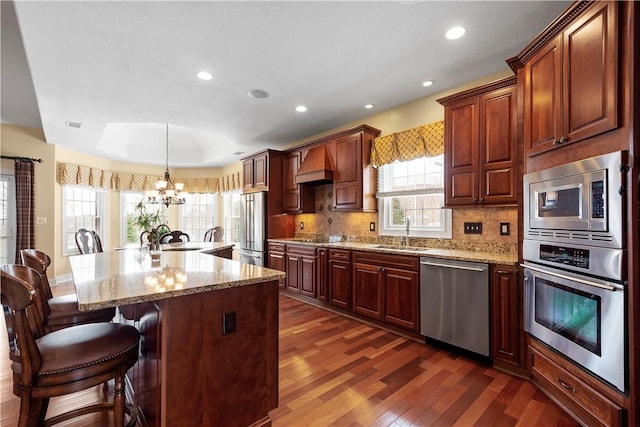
[
  {"x": 301, "y": 225},
  {"x": 372, "y": 226},
  {"x": 228, "y": 323},
  {"x": 472, "y": 228},
  {"x": 505, "y": 228}
]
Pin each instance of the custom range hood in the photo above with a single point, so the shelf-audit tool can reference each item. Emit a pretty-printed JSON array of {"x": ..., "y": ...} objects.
[{"x": 315, "y": 168}]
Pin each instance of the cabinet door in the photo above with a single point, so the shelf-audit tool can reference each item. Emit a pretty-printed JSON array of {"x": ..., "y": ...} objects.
[
  {"x": 401, "y": 301},
  {"x": 261, "y": 171},
  {"x": 321, "y": 271},
  {"x": 498, "y": 137},
  {"x": 461, "y": 148},
  {"x": 368, "y": 290},
  {"x": 276, "y": 261},
  {"x": 293, "y": 273},
  {"x": 291, "y": 189},
  {"x": 247, "y": 175},
  {"x": 340, "y": 284},
  {"x": 347, "y": 179},
  {"x": 307, "y": 280},
  {"x": 542, "y": 93},
  {"x": 590, "y": 71},
  {"x": 505, "y": 318}
]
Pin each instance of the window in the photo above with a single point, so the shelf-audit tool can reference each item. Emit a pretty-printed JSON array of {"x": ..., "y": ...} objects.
[
  {"x": 199, "y": 214},
  {"x": 82, "y": 207},
  {"x": 413, "y": 192},
  {"x": 231, "y": 209},
  {"x": 129, "y": 233},
  {"x": 7, "y": 218}
]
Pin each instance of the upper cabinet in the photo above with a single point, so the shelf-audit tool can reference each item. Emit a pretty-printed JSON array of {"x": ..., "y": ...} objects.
[
  {"x": 480, "y": 145},
  {"x": 354, "y": 179},
  {"x": 298, "y": 198},
  {"x": 255, "y": 170},
  {"x": 570, "y": 79}
]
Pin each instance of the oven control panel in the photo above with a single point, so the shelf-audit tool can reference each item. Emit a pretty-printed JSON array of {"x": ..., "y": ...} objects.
[
  {"x": 565, "y": 255},
  {"x": 597, "y": 199}
]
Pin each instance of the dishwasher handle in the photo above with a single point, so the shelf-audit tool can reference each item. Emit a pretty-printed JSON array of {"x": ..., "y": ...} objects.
[{"x": 457, "y": 267}]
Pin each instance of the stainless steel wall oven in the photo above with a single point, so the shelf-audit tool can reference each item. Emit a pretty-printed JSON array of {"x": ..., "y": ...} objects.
[{"x": 575, "y": 263}]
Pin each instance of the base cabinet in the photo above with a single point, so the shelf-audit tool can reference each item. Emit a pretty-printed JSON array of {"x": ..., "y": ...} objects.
[
  {"x": 506, "y": 336},
  {"x": 340, "y": 278},
  {"x": 276, "y": 259},
  {"x": 300, "y": 264},
  {"x": 580, "y": 394}
]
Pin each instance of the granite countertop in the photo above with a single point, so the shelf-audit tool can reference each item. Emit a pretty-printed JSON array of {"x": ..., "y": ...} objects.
[
  {"x": 455, "y": 254},
  {"x": 116, "y": 278}
]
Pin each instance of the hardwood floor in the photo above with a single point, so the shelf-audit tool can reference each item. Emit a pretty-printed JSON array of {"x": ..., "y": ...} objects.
[{"x": 339, "y": 371}]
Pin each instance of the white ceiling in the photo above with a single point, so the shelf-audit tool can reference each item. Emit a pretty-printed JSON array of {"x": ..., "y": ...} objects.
[{"x": 123, "y": 69}]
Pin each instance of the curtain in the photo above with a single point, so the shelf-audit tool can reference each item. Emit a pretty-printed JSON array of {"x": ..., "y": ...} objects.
[
  {"x": 423, "y": 141},
  {"x": 25, "y": 206}
]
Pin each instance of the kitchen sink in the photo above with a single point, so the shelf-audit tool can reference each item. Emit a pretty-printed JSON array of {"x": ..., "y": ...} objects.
[{"x": 402, "y": 248}]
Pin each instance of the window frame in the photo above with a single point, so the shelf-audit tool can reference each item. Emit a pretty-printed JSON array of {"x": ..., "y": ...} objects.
[
  {"x": 101, "y": 213},
  {"x": 386, "y": 228},
  {"x": 189, "y": 202}
]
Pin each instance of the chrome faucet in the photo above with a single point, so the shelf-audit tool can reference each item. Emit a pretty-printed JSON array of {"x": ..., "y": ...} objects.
[{"x": 406, "y": 240}]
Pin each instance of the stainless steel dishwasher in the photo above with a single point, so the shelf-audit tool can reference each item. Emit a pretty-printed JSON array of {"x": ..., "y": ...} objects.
[{"x": 454, "y": 303}]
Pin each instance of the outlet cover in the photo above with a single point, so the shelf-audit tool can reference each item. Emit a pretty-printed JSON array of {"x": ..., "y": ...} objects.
[
  {"x": 472, "y": 228},
  {"x": 505, "y": 228},
  {"x": 372, "y": 226},
  {"x": 229, "y": 323},
  {"x": 301, "y": 225}
]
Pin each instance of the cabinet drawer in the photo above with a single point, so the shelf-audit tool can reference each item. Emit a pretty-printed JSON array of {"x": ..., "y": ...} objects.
[
  {"x": 340, "y": 254},
  {"x": 586, "y": 403},
  {"x": 275, "y": 247},
  {"x": 301, "y": 250},
  {"x": 386, "y": 260}
]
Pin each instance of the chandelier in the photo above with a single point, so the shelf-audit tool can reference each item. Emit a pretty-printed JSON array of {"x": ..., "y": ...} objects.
[{"x": 167, "y": 192}]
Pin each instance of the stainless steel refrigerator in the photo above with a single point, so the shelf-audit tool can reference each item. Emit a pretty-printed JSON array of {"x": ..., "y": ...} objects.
[{"x": 253, "y": 228}]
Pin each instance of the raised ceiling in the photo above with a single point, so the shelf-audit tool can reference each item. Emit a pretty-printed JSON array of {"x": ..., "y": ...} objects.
[{"x": 123, "y": 69}]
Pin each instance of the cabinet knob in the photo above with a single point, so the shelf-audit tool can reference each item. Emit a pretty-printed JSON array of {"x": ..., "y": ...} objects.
[{"x": 563, "y": 140}]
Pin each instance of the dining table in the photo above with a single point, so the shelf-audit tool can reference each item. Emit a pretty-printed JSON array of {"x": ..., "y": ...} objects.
[{"x": 208, "y": 329}]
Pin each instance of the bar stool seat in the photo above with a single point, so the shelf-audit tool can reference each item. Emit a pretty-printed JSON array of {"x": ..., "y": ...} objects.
[{"x": 62, "y": 362}]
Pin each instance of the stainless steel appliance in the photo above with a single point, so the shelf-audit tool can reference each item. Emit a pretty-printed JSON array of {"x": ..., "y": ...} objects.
[
  {"x": 580, "y": 201},
  {"x": 574, "y": 253},
  {"x": 579, "y": 315},
  {"x": 454, "y": 303},
  {"x": 253, "y": 228}
]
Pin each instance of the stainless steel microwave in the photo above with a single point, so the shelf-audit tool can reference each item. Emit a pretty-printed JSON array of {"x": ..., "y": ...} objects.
[{"x": 580, "y": 202}]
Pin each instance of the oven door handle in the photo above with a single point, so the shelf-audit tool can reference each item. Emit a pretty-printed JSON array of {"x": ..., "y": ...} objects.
[
  {"x": 573, "y": 279},
  {"x": 455, "y": 267}
]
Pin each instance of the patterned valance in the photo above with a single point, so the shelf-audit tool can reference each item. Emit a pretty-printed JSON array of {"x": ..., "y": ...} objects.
[
  {"x": 423, "y": 141},
  {"x": 70, "y": 174},
  {"x": 230, "y": 182}
]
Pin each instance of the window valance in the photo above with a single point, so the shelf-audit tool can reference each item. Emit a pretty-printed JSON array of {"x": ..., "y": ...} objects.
[
  {"x": 423, "y": 141},
  {"x": 230, "y": 182},
  {"x": 71, "y": 174}
]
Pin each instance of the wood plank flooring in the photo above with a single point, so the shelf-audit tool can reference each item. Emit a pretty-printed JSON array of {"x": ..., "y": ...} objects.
[{"x": 336, "y": 371}]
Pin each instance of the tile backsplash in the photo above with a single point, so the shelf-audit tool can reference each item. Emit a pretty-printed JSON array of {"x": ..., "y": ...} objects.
[{"x": 355, "y": 226}]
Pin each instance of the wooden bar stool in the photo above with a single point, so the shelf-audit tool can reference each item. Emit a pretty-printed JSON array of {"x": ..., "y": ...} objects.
[
  {"x": 59, "y": 312},
  {"x": 62, "y": 362}
]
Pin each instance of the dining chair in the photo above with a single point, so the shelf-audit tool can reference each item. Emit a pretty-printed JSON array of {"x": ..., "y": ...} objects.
[
  {"x": 214, "y": 234},
  {"x": 53, "y": 364},
  {"x": 175, "y": 236},
  {"x": 88, "y": 241},
  {"x": 160, "y": 230},
  {"x": 61, "y": 311}
]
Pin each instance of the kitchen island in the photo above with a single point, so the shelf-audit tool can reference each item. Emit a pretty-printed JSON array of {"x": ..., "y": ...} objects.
[{"x": 209, "y": 333}]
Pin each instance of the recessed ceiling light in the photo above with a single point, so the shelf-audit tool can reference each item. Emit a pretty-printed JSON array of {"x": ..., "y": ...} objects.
[
  {"x": 203, "y": 75},
  {"x": 258, "y": 94},
  {"x": 427, "y": 83},
  {"x": 455, "y": 33},
  {"x": 301, "y": 108},
  {"x": 368, "y": 106},
  {"x": 76, "y": 125},
  {"x": 237, "y": 153}
]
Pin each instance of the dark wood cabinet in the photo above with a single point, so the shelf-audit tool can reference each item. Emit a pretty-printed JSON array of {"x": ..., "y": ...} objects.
[
  {"x": 263, "y": 171},
  {"x": 298, "y": 198},
  {"x": 571, "y": 83},
  {"x": 300, "y": 263},
  {"x": 480, "y": 145},
  {"x": 276, "y": 259},
  {"x": 506, "y": 327},
  {"x": 354, "y": 180},
  {"x": 322, "y": 273},
  {"x": 340, "y": 278},
  {"x": 368, "y": 290},
  {"x": 386, "y": 287}
]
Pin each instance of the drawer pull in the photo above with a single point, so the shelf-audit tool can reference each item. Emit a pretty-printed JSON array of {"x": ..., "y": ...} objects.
[{"x": 567, "y": 386}]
